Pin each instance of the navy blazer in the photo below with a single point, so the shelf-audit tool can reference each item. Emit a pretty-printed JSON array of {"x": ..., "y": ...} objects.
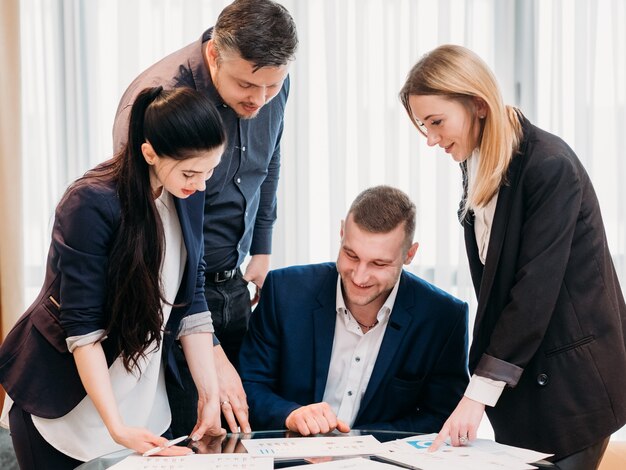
[
  {"x": 418, "y": 378},
  {"x": 36, "y": 369},
  {"x": 551, "y": 318}
]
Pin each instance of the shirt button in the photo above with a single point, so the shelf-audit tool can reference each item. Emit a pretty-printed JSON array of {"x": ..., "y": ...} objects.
[
  {"x": 224, "y": 106},
  {"x": 243, "y": 149},
  {"x": 349, "y": 393},
  {"x": 238, "y": 180},
  {"x": 357, "y": 359},
  {"x": 239, "y": 246}
]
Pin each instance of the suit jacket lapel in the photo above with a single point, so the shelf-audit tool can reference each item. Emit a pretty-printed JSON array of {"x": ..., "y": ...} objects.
[
  {"x": 498, "y": 232},
  {"x": 399, "y": 321},
  {"x": 324, "y": 317},
  {"x": 190, "y": 269}
]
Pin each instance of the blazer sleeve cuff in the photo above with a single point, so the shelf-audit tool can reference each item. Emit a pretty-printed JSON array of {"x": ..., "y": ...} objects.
[
  {"x": 196, "y": 323},
  {"x": 75, "y": 341},
  {"x": 497, "y": 369}
]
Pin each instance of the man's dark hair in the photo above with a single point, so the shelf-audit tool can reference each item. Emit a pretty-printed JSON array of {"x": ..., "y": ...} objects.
[
  {"x": 381, "y": 209},
  {"x": 260, "y": 31}
]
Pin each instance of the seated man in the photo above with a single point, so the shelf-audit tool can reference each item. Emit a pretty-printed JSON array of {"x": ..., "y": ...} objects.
[{"x": 360, "y": 343}]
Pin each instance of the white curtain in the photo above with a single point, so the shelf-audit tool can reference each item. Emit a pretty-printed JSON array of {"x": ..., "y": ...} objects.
[{"x": 345, "y": 129}]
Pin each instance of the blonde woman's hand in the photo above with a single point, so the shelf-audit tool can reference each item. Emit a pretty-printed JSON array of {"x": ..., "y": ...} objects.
[{"x": 462, "y": 425}]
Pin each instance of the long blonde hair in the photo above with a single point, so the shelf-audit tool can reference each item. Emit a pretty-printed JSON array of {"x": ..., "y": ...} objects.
[{"x": 457, "y": 73}]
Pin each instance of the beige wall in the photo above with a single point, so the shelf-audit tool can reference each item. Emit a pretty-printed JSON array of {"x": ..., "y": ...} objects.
[{"x": 11, "y": 250}]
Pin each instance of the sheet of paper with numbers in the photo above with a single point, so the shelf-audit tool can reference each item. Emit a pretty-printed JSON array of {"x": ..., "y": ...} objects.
[
  {"x": 196, "y": 462},
  {"x": 300, "y": 447}
]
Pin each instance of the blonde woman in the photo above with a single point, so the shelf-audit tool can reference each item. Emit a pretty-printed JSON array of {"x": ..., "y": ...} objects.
[{"x": 548, "y": 354}]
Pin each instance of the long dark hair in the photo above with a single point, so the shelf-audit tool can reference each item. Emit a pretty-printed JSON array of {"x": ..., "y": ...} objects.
[{"x": 177, "y": 123}]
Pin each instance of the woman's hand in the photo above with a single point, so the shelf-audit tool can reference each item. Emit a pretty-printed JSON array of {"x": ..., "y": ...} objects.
[
  {"x": 232, "y": 395},
  {"x": 141, "y": 440},
  {"x": 462, "y": 424},
  {"x": 198, "y": 349}
]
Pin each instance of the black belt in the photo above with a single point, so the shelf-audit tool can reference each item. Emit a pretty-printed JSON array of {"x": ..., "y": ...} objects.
[{"x": 222, "y": 276}]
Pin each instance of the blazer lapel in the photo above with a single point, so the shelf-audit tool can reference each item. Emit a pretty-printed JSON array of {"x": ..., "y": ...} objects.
[
  {"x": 324, "y": 318},
  {"x": 190, "y": 246},
  {"x": 398, "y": 325},
  {"x": 498, "y": 233}
]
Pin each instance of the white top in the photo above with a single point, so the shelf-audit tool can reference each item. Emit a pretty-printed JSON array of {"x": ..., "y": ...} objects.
[
  {"x": 483, "y": 216},
  {"x": 353, "y": 357},
  {"x": 482, "y": 389}
]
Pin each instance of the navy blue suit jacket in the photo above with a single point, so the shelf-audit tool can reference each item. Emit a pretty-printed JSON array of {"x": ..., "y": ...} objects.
[
  {"x": 420, "y": 373},
  {"x": 36, "y": 368}
]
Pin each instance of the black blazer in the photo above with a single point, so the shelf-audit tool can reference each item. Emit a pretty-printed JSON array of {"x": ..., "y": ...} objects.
[
  {"x": 551, "y": 318},
  {"x": 419, "y": 375},
  {"x": 36, "y": 369}
]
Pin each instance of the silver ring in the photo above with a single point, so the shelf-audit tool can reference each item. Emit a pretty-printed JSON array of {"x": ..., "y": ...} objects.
[
  {"x": 225, "y": 402},
  {"x": 463, "y": 440}
]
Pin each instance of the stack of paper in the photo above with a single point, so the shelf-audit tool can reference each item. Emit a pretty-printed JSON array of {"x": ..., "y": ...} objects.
[{"x": 480, "y": 454}]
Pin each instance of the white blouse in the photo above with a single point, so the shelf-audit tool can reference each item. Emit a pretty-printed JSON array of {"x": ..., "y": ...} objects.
[{"x": 483, "y": 216}]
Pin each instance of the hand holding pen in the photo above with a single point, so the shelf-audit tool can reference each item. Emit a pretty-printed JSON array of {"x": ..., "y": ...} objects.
[
  {"x": 142, "y": 440},
  {"x": 158, "y": 449}
]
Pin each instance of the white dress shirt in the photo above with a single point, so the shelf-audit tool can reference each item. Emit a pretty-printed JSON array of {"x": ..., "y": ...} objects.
[{"x": 353, "y": 357}]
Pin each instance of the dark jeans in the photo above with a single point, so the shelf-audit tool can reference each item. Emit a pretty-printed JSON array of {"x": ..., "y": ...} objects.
[
  {"x": 229, "y": 303},
  {"x": 586, "y": 459},
  {"x": 32, "y": 451}
]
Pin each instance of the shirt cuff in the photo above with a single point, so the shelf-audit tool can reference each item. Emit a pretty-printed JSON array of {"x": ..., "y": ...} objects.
[
  {"x": 75, "y": 341},
  {"x": 484, "y": 390},
  {"x": 196, "y": 323},
  {"x": 261, "y": 241}
]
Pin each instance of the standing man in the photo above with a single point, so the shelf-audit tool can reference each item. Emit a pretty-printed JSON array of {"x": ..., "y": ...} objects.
[
  {"x": 360, "y": 343},
  {"x": 242, "y": 64}
]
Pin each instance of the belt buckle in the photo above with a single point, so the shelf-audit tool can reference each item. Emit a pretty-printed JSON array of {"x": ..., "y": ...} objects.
[{"x": 224, "y": 276}]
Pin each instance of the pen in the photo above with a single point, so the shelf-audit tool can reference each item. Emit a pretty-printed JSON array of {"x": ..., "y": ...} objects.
[{"x": 154, "y": 450}]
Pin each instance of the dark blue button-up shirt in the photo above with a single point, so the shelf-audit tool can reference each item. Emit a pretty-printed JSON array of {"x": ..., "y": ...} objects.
[{"x": 240, "y": 203}]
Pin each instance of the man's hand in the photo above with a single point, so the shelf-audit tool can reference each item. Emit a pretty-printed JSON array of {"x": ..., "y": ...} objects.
[
  {"x": 318, "y": 418},
  {"x": 257, "y": 269},
  {"x": 462, "y": 423},
  {"x": 233, "y": 400}
]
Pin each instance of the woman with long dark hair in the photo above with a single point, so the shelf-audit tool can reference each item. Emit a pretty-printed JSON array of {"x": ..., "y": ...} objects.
[
  {"x": 84, "y": 367},
  {"x": 548, "y": 353}
]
